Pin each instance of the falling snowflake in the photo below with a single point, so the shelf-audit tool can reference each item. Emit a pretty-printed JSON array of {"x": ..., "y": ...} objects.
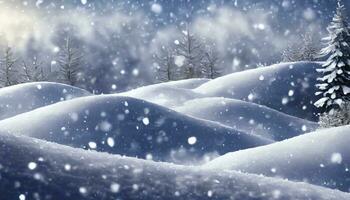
[
  {"x": 291, "y": 93},
  {"x": 110, "y": 142},
  {"x": 92, "y": 145},
  {"x": 304, "y": 128},
  {"x": 32, "y": 165},
  {"x": 145, "y": 121},
  {"x": 273, "y": 170},
  {"x": 115, "y": 187},
  {"x": 22, "y": 197},
  {"x": 179, "y": 61},
  {"x": 251, "y": 97},
  {"x": 83, "y": 190},
  {"x": 67, "y": 167},
  {"x": 105, "y": 126},
  {"x": 149, "y": 156},
  {"x": 192, "y": 140},
  {"x": 336, "y": 158},
  {"x": 285, "y": 100},
  {"x": 156, "y": 8}
]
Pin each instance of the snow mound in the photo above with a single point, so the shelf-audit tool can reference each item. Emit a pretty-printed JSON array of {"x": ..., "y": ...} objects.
[
  {"x": 163, "y": 94},
  {"x": 247, "y": 117},
  {"x": 35, "y": 169},
  {"x": 321, "y": 158},
  {"x": 132, "y": 127},
  {"x": 185, "y": 84},
  {"x": 29, "y": 96},
  {"x": 286, "y": 87}
]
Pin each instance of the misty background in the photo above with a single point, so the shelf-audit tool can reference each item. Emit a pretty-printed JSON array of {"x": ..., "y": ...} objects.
[{"x": 119, "y": 38}]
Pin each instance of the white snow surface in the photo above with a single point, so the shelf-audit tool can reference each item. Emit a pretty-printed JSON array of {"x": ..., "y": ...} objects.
[
  {"x": 138, "y": 128},
  {"x": 270, "y": 86},
  {"x": 247, "y": 117},
  {"x": 94, "y": 175},
  {"x": 169, "y": 94},
  {"x": 26, "y": 97},
  {"x": 321, "y": 157},
  {"x": 58, "y": 141}
]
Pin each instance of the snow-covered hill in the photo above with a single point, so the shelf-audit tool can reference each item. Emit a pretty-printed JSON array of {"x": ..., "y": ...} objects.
[
  {"x": 26, "y": 97},
  {"x": 164, "y": 94},
  {"x": 321, "y": 158},
  {"x": 132, "y": 127},
  {"x": 286, "y": 87},
  {"x": 248, "y": 117},
  {"x": 256, "y": 115},
  {"x": 35, "y": 169}
]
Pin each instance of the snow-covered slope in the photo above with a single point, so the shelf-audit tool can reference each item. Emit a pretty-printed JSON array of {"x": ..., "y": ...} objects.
[
  {"x": 25, "y": 97},
  {"x": 321, "y": 157},
  {"x": 130, "y": 127},
  {"x": 163, "y": 94},
  {"x": 34, "y": 169},
  {"x": 247, "y": 117},
  {"x": 185, "y": 84},
  {"x": 286, "y": 87},
  {"x": 168, "y": 94}
]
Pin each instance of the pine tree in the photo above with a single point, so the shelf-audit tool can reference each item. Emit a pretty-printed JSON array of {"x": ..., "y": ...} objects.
[
  {"x": 69, "y": 62},
  {"x": 334, "y": 85}
]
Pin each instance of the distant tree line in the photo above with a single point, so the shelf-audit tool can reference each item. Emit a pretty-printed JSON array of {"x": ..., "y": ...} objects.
[
  {"x": 186, "y": 58},
  {"x": 306, "y": 48},
  {"x": 14, "y": 70}
]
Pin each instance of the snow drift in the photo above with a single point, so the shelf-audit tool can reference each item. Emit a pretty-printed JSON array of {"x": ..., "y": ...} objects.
[
  {"x": 321, "y": 158},
  {"x": 286, "y": 87},
  {"x": 26, "y": 97},
  {"x": 247, "y": 117},
  {"x": 164, "y": 95},
  {"x": 128, "y": 126},
  {"x": 35, "y": 169},
  {"x": 168, "y": 94}
]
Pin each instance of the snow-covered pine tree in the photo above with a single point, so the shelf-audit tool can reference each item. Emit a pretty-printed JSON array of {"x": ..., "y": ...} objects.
[{"x": 334, "y": 85}]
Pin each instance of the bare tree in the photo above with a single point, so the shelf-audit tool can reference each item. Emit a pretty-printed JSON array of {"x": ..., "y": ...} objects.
[
  {"x": 210, "y": 62},
  {"x": 34, "y": 72},
  {"x": 8, "y": 71},
  {"x": 165, "y": 64},
  {"x": 69, "y": 62},
  {"x": 191, "y": 48},
  {"x": 189, "y": 58},
  {"x": 306, "y": 49}
]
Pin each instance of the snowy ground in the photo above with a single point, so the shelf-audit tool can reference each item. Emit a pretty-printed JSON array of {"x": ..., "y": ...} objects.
[{"x": 240, "y": 136}]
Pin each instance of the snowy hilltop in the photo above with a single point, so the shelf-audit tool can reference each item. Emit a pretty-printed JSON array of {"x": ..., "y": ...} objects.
[
  {"x": 225, "y": 136},
  {"x": 168, "y": 100}
]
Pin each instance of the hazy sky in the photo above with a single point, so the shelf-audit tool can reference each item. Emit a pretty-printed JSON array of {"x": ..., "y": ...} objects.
[{"x": 120, "y": 36}]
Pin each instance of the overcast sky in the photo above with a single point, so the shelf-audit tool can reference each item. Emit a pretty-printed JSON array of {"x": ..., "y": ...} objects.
[{"x": 120, "y": 36}]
